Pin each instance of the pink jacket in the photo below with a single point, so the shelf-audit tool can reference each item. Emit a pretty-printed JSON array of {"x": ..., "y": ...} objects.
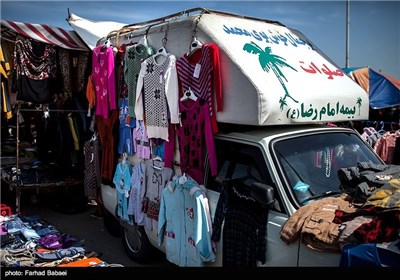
[{"x": 104, "y": 80}]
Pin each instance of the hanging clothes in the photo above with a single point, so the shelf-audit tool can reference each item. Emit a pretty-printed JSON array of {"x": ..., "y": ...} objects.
[
  {"x": 157, "y": 95},
  {"x": 122, "y": 88},
  {"x": 73, "y": 70},
  {"x": 385, "y": 146},
  {"x": 135, "y": 199},
  {"x": 125, "y": 129},
  {"x": 5, "y": 69},
  {"x": 36, "y": 69},
  {"x": 194, "y": 135},
  {"x": 183, "y": 223},
  {"x": 201, "y": 72},
  {"x": 156, "y": 178},
  {"x": 141, "y": 143},
  {"x": 105, "y": 129},
  {"x": 92, "y": 175},
  {"x": 134, "y": 55},
  {"x": 90, "y": 93},
  {"x": 245, "y": 222},
  {"x": 104, "y": 80},
  {"x": 122, "y": 182}
]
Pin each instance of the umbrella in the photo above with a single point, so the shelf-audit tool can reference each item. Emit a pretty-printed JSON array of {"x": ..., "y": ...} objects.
[{"x": 383, "y": 90}]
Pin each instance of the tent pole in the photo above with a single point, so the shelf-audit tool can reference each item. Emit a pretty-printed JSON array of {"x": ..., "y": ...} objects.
[{"x": 347, "y": 32}]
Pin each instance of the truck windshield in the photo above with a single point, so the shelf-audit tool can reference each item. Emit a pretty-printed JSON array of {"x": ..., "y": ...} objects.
[{"x": 310, "y": 163}]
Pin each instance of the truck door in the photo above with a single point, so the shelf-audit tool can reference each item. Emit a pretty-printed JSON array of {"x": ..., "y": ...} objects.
[{"x": 246, "y": 162}]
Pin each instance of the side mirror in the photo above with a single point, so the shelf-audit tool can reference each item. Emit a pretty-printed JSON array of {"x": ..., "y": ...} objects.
[{"x": 263, "y": 194}]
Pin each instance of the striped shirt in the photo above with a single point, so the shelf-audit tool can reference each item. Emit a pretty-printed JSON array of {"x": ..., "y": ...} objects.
[{"x": 201, "y": 72}]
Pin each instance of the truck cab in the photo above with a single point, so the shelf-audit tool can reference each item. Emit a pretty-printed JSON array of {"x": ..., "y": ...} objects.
[{"x": 293, "y": 164}]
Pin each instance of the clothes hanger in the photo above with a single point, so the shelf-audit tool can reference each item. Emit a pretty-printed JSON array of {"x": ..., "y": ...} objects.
[
  {"x": 131, "y": 37},
  {"x": 382, "y": 130},
  {"x": 155, "y": 160},
  {"x": 189, "y": 94},
  {"x": 394, "y": 127},
  {"x": 106, "y": 44},
  {"x": 183, "y": 179},
  {"x": 124, "y": 158},
  {"x": 161, "y": 51},
  {"x": 94, "y": 137},
  {"x": 195, "y": 45},
  {"x": 143, "y": 41}
]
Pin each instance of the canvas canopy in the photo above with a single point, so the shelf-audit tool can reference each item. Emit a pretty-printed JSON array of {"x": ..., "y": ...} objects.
[
  {"x": 67, "y": 39},
  {"x": 91, "y": 31},
  {"x": 271, "y": 74},
  {"x": 383, "y": 90}
]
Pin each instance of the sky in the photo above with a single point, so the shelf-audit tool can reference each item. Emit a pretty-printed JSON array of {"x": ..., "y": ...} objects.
[{"x": 374, "y": 26}]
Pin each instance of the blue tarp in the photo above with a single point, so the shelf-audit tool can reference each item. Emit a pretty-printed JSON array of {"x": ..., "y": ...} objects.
[{"x": 383, "y": 90}]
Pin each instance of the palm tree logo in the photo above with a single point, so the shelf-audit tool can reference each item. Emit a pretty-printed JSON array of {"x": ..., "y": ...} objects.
[
  {"x": 359, "y": 102},
  {"x": 269, "y": 61}
]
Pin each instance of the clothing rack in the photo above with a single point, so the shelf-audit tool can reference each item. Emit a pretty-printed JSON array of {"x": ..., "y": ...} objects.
[
  {"x": 128, "y": 29},
  {"x": 17, "y": 185}
]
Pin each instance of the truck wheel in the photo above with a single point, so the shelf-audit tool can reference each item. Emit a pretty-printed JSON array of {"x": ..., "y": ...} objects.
[
  {"x": 137, "y": 244},
  {"x": 111, "y": 224}
]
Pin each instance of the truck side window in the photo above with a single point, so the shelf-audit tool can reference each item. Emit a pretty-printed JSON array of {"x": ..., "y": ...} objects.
[{"x": 240, "y": 161}]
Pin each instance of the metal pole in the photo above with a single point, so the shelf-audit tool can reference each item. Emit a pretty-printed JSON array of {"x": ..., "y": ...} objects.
[
  {"x": 17, "y": 191},
  {"x": 347, "y": 32}
]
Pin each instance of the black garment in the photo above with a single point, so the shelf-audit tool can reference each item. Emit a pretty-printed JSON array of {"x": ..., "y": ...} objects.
[
  {"x": 92, "y": 175},
  {"x": 74, "y": 70},
  {"x": 362, "y": 180},
  {"x": 36, "y": 67},
  {"x": 244, "y": 233},
  {"x": 35, "y": 91}
]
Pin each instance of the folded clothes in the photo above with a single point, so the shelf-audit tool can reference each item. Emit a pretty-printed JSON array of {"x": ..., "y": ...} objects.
[
  {"x": 59, "y": 241},
  {"x": 88, "y": 262},
  {"x": 46, "y": 230},
  {"x": 30, "y": 219},
  {"x": 14, "y": 225},
  {"x": 29, "y": 234},
  {"x": 3, "y": 230},
  {"x": 60, "y": 254},
  {"x": 50, "y": 241},
  {"x": 17, "y": 257}
]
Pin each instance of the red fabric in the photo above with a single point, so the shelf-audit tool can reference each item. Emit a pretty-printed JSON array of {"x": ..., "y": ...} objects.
[{"x": 46, "y": 34}]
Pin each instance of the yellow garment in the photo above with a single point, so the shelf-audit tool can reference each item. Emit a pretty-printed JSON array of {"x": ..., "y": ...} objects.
[
  {"x": 5, "y": 66},
  {"x": 388, "y": 196},
  {"x": 4, "y": 100},
  {"x": 4, "y": 70}
]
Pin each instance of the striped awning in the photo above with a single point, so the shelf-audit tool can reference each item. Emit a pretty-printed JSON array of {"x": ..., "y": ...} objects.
[{"x": 44, "y": 33}]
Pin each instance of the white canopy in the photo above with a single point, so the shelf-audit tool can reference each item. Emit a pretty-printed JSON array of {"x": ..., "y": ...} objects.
[
  {"x": 91, "y": 31},
  {"x": 276, "y": 75},
  {"x": 271, "y": 74}
]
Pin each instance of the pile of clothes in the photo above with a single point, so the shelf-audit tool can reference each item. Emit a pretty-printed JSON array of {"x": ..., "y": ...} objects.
[
  {"x": 362, "y": 224},
  {"x": 29, "y": 241}
]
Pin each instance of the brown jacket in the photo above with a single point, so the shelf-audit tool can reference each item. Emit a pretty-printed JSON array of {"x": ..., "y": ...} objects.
[{"x": 315, "y": 222}]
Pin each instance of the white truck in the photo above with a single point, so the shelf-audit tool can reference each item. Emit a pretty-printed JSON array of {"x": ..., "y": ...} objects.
[{"x": 279, "y": 93}]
